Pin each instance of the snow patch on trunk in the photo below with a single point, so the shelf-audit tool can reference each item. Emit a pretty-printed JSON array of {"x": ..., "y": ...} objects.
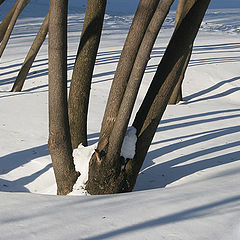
[
  {"x": 129, "y": 143},
  {"x": 81, "y": 158}
]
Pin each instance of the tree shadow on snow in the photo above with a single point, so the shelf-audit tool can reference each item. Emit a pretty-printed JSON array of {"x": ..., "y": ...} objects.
[
  {"x": 17, "y": 160},
  {"x": 112, "y": 56},
  {"x": 158, "y": 175},
  {"x": 18, "y": 184},
  {"x": 191, "y": 98},
  {"x": 214, "y": 208}
]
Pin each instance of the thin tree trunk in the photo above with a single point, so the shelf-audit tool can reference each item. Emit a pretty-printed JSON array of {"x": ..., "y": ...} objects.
[
  {"x": 5, "y": 22},
  {"x": 110, "y": 169},
  {"x": 182, "y": 9},
  {"x": 20, "y": 6},
  {"x": 163, "y": 83},
  {"x": 120, "y": 126},
  {"x": 37, "y": 43},
  {"x": 177, "y": 95},
  {"x": 143, "y": 16},
  {"x": 179, "y": 11},
  {"x": 59, "y": 134},
  {"x": 1, "y": 1},
  {"x": 83, "y": 70}
]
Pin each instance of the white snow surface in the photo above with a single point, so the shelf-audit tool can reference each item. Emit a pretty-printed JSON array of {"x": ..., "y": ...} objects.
[
  {"x": 129, "y": 143},
  {"x": 81, "y": 158},
  {"x": 188, "y": 187}
]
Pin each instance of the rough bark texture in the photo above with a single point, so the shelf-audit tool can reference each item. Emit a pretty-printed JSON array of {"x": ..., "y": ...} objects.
[
  {"x": 83, "y": 70},
  {"x": 20, "y": 6},
  {"x": 182, "y": 9},
  {"x": 38, "y": 41},
  {"x": 159, "y": 92},
  {"x": 105, "y": 174},
  {"x": 59, "y": 135},
  {"x": 143, "y": 55},
  {"x": 143, "y": 16},
  {"x": 5, "y": 22}
]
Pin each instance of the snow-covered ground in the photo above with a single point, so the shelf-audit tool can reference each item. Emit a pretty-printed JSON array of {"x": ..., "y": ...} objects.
[{"x": 189, "y": 185}]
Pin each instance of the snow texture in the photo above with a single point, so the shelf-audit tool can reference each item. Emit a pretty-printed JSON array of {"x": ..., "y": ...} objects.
[
  {"x": 81, "y": 158},
  {"x": 129, "y": 143},
  {"x": 188, "y": 187}
]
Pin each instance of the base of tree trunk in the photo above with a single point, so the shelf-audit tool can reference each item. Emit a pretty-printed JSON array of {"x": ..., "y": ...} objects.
[{"x": 106, "y": 179}]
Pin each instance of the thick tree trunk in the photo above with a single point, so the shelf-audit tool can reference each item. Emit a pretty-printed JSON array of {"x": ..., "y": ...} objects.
[
  {"x": 159, "y": 92},
  {"x": 182, "y": 9},
  {"x": 83, "y": 70},
  {"x": 20, "y": 6},
  {"x": 107, "y": 168},
  {"x": 143, "y": 16},
  {"x": 38, "y": 41},
  {"x": 59, "y": 134},
  {"x": 5, "y": 22}
]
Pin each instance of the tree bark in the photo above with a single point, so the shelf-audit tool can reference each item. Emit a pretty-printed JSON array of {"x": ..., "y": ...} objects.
[
  {"x": 5, "y": 22},
  {"x": 159, "y": 92},
  {"x": 143, "y": 16},
  {"x": 59, "y": 134},
  {"x": 177, "y": 94},
  {"x": 83, "y": 70},
  {"x": 182, "y": 9},
  {"x": 38, "y": 41},
  {"x": 122, "y": 121},
  {"x": 1, "y": 1},
  {"x": 20, "y": 6},
  {"x": 105, "y": 175}
]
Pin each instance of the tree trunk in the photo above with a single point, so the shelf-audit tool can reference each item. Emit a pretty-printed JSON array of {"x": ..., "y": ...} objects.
[
  {"x": 20, "y": 6},
  {"x": 177, "y": 95},
  {"x": 143, "y": 16},
  {"x": 38, "y": 41},
  {"x": 1, "y": 1},
  {"x": 83, "y": 70},
  {"x": 5, "y": 22},
  {"x": 159, "y": 92},
  {"x": 59, "y": 134},
  {"x": 122, "y": 121},
  {"x": 106, "y": 168},
  {"x": 182, "y": 9}
]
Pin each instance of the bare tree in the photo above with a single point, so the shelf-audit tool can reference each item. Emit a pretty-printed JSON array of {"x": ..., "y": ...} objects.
[
  {"x": 59, "y": 134},
  {"x": 37, "y": 43},
  {"x": 105, "y": 173},
  {"x": 108, "y": 171},
  {"x": 83, "y": 70},
  {"x": 21, "y": 4},
  {"x": 164, "y": 81},
  {"x": 109, "y": 154},
  {"x": 143, "y": 16}
]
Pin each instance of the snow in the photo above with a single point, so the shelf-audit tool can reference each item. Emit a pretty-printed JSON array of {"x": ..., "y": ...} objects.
[
  {"x": 129, "y": 143},
  {"x": 81, "y": 158},
  {"x": 188, "y": 187}
]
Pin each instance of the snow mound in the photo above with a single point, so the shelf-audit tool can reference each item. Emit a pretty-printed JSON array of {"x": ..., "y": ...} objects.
[{"x": 81, "y": 158}]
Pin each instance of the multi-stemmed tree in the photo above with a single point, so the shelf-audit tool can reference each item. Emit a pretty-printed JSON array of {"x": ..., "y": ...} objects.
[{"x": 108, "y": 171}]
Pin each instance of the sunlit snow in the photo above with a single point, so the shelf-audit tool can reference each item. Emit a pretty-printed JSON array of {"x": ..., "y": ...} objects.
[{"x": 188, "y": 187}]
